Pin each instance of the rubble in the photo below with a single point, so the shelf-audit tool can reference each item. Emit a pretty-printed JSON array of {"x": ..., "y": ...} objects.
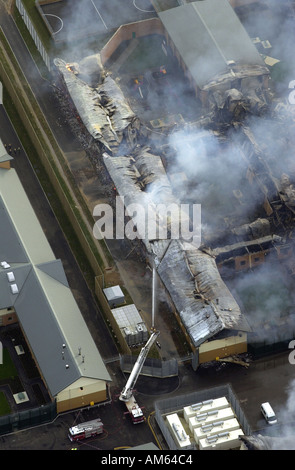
[
  {"x": 141, "y": 178},
  {"x": 102, "y": 109},
  {"x": 189, "y": 273},
  {"x": 205, "y": 305}
]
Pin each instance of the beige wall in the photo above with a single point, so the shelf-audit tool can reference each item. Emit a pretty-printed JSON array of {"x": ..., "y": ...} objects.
[
  {"x": 7, "y": 317},
  {"x": 211, "y": 350},
  {"x": 84, "y": 392},
  {"x": 252, "y": 260},
  {"x": 5, "y": 165}
]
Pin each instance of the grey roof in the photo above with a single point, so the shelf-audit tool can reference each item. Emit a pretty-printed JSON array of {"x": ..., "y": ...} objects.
[
  {"x": 208, "y": 34},
  {"x": 10, "y": 247},
  {"x": 113, "y": 293},
  {"x": 44, "y": 303}
]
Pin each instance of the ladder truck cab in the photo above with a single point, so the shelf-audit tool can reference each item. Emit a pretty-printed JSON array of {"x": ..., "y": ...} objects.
[
  {"x": 127, "y": 393},
  {"x": 84, "y": 430}
]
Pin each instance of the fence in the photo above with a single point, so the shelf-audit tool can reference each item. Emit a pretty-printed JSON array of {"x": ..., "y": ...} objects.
[
  {"x": 26, "y": 419},
  {"x": 33, "y": 33},
  {"x": 177, "y": 403},
  {"x": 152, "y": 367}
]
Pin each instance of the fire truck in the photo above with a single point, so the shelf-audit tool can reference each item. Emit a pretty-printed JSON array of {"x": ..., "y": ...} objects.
[
  {"x": 126, "y": 395},
  {"x": 85, "y": 430}
]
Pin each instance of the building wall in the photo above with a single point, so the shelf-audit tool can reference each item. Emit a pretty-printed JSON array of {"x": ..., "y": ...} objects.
[
  {"x": 47, "y": 2},
  {"x": 223, "y": 348},
  {"x": 252, "y": 260},
  {"x": 5, "y": 165},
  {"x": 185, "y": 70},
  {"x": 7, "y": 317},
  {"x": 130, "y": 31},
  {"x": 84, "y": 392}
]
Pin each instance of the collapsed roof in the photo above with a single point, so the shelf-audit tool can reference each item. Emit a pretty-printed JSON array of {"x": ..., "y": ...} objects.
[
  {"x": 190, "y": 276},
  {"x": 203, "y": 301},
  {"x": 216, "y": 50},
  {"x": 141, "y": 179},
  {"x": 103, "y": 109}
]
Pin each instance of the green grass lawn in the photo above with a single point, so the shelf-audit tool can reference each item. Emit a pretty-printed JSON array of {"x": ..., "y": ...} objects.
[
  {"x": 4, "y": 406},
  {"x": 7, "y": 373},
  {"x": 7, "y": 369}
]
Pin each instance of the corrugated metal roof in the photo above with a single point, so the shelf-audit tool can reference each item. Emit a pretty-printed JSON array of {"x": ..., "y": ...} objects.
[
  {"x": 208, "y": 34},
  {"x": 203, "y": 301},
  {"x": 44, "y": 303},
  {"x": 103, "y": 110},
  {"x": 190, "y": 276},
  {"x": 127, "y": 315}
]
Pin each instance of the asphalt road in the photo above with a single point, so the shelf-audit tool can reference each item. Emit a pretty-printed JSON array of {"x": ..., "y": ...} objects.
[{"x": 56, "y": 238}]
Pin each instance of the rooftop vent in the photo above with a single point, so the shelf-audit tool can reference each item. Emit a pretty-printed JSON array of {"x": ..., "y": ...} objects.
[
  {"x": 14, "y": 288},
  {"x": 5, "y": 265},
  {"x": 10, "y": 277}
]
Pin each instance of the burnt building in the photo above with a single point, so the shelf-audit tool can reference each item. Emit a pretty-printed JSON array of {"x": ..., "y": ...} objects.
[{"x": 212, "y": 47}]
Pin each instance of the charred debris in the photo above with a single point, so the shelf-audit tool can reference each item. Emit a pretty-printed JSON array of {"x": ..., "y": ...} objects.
[{"x": 139, "y": 162}]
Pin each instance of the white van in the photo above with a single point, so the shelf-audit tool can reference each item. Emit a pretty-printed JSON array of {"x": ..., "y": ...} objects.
[{"x": 268, "y": 413}]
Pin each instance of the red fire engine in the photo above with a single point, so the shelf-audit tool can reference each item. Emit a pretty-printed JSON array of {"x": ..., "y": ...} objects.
[{"x": 84, "y": 430}]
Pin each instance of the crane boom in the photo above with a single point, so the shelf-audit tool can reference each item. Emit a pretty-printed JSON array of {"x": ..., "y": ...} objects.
[{"x": 126, "y": 393}]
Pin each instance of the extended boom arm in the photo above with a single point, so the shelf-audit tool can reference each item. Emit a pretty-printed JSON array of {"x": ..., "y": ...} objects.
[{"x": 127, "y": 390}]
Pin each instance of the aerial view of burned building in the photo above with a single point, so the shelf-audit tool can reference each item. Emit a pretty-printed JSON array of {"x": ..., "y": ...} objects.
[{"x": 226, "y": 161}]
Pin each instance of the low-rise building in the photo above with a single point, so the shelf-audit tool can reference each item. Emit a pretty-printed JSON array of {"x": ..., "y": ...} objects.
[{"x": 34, "y": 292}]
